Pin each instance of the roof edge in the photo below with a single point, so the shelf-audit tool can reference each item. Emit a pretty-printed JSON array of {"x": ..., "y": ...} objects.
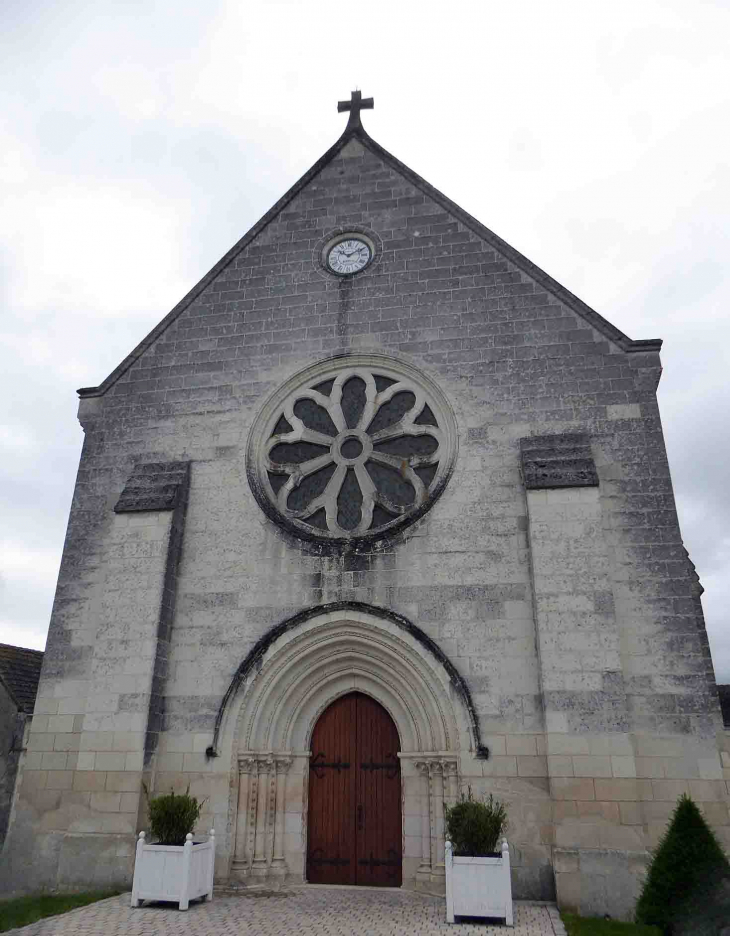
[
  {"x": 520, "y": 260},
  {"x": 189, "y": 298},
  {"x": 357, "y": 131},
  {"x": 7, "y": 683}
]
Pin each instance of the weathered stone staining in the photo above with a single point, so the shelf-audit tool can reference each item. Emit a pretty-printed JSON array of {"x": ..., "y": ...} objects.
[
  {"x": 154, "y": 487},
  {"x": 558, "y": 461},
  {"x": 352, "y": 449},
  {"x": 525, "y": 611}
]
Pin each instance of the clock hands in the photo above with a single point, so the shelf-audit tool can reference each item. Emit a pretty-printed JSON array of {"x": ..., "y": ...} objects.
[
  {"x": 358, "y": 249},
  {"x": 349, "y": 256}
]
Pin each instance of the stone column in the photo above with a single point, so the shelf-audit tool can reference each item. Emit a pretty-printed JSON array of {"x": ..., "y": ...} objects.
[
  {"x": 282, "y": 769},
  {"x": 252, "y": 812},
  {"x": 425, "y": 866},
  {"x": 264, "y": 768},
  {"x": 437, "y": 822},
  {"x": 245, "y": 765}
]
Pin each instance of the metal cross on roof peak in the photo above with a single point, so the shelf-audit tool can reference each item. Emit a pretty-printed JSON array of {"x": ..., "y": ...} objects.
[{"x": 354, "y": 106}]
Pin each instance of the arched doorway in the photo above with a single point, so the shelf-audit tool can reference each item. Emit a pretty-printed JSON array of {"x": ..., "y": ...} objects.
[
  {"x": 273, "y": 709},
  {"x": 354, "y": 817}
]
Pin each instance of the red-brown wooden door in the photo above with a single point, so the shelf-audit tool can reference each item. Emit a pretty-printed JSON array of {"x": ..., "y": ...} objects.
[{"x": 354, "y": 834}]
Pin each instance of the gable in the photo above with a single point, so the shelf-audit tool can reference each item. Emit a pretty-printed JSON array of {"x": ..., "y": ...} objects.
[{"x": 416, "y": 205}]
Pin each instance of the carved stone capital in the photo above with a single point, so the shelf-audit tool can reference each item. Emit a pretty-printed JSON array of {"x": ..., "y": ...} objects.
[
  {"x": 283, "y": 763},
  {"x": 246, "y": 763},
  {"x": 265, "y": 763},
  {"x": 435, "y": 768},
  {"x": 449, "y": 767}
]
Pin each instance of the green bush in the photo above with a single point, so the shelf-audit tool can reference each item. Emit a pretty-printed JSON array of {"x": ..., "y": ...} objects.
[
  {"x": 708, "y": 914},
  {"x": 688, "y": 860},
  {"x": 173, "y": 816},
  {"x": 474, "y": 827}
]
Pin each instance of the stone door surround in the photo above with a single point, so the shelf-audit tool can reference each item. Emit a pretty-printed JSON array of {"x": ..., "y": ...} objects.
[{"x": 268, "y": 729}]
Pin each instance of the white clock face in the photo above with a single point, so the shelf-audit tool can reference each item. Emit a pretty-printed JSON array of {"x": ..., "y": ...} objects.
[{"x": 349, "y": 256}]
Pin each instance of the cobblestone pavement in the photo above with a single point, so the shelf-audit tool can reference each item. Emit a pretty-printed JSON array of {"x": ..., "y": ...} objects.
[{"x": 299, "y": 911}]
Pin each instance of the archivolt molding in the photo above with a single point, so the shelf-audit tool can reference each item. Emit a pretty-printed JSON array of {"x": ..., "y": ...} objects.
[
  {"x": 305, "y": 670},
  {"x": 303, "y": 664}
]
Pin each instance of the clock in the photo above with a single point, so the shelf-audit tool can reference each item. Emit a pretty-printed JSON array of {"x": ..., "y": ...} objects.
[{"x": 349, "y": 254}]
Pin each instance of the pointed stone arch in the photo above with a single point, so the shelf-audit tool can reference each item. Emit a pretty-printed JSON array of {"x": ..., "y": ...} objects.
[
  {"x": 266, "y": 722},
  {"x": 305, "y": 670},
  {"x": 426, "y": 662}
]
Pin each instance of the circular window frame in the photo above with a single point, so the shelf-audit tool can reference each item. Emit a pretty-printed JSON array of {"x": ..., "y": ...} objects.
[
  {"x": 336, "y": 236},
  {"x": 262, "y": 431}
]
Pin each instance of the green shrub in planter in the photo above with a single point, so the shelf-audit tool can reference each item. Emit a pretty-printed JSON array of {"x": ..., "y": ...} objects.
[
  {"x": 173, "y": 816},
  {"x": 475, "y": 827},
  {"x": 686, "y": 865}
]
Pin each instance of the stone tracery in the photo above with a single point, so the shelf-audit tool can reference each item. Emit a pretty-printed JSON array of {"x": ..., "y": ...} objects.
[{"x": 354, "y": 447}]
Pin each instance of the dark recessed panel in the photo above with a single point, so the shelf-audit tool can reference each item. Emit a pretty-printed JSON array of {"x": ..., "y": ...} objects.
[
  {"x": 392, "y": 412},
  {"x": 391, "y": 484},
  {"x": 314, "y": 417},
  {"x": 311, "y": 486}
]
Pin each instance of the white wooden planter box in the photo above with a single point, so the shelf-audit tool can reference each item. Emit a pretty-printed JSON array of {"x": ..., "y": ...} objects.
[
  {"x": 478, "y": 887},
  {"x": 178, "y": 873}
]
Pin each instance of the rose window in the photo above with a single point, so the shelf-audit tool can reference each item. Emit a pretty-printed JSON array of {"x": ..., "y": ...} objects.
[{"x": 352, "y": 449}]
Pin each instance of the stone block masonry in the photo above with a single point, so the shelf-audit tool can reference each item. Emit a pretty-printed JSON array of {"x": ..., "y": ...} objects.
[
  {"x": 571, "y": 611},
  {"x": 89, "y": 752}
]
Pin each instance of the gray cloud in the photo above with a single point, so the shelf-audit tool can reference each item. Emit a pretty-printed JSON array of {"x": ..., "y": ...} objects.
[{"x": 141, "y": 140}]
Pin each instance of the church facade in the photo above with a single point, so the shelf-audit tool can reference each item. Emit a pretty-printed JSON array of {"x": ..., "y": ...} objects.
[{"x": 378, "y": 513}]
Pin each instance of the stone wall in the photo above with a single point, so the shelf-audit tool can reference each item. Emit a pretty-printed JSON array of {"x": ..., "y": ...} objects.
[
  {"x": 572, "y": 615},
  {"x": 11, "y": 740},
  {"x": 724, "y": 692}
]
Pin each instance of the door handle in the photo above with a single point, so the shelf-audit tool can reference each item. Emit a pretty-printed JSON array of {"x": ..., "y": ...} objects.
[{"x": 359, "y": 818}]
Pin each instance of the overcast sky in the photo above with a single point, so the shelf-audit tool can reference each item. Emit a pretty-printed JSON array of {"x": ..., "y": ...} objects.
[{"x": 140, "y": 139}]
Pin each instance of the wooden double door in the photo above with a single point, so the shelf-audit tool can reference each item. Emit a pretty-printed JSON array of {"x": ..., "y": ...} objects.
[{"x": 354, "y": 817}]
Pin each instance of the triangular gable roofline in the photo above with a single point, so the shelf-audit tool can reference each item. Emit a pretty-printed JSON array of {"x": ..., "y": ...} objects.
[{"x": 358, "y": 132}]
